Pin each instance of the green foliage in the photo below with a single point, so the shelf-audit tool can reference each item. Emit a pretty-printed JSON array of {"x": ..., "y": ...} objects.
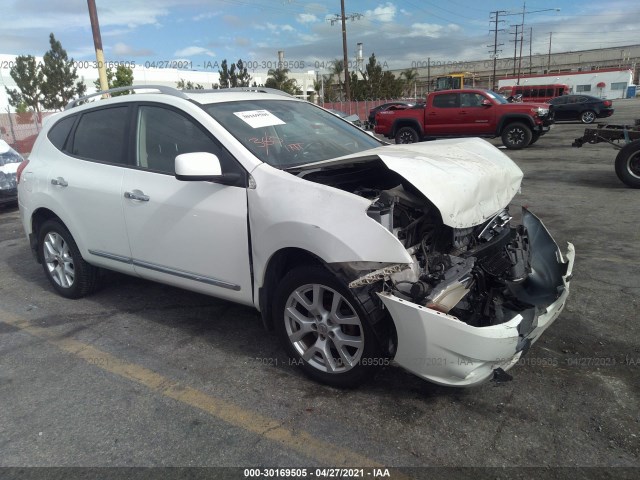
[
  {"x": 59, "y": 84},
  {"x": 375, "y": 83},
  {"x": 234, "y": 76},
  {"x": 122, "y": 77},
  {"x": 189, "y": 85},
  {"x": 279, "y": 78},
  {"x": 28, "y": 77}
]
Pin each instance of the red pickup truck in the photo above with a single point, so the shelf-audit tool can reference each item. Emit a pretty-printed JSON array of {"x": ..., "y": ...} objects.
[{"x": 467, "y": 113}]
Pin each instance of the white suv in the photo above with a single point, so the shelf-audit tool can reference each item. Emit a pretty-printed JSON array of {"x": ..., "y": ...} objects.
[{"x": 356, "y": 252}]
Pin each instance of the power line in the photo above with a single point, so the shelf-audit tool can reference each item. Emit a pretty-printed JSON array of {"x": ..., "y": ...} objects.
[
  {"x": 343, "y": 20},
  {"x": 494, "y": 18}
]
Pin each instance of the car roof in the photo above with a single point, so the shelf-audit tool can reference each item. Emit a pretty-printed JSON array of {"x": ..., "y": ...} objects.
[{"x": 198, "y": 96}]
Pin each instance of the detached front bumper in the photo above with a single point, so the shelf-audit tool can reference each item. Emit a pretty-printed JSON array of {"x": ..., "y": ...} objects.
[{"x": 442, "y": 349}]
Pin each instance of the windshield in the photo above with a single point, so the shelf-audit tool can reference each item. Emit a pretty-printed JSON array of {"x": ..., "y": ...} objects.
[
  {"x": 496, "y": 96},
  {"x": 285, "y": 133}
]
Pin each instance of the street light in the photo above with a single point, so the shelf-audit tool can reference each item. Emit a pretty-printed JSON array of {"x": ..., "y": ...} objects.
[{"x": 524, "y": 11}]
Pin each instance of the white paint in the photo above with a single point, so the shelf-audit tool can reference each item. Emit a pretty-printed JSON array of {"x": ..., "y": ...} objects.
[{"x": 259, "y": 118}]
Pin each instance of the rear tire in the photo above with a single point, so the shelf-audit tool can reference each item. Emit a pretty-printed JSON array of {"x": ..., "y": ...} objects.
[
  {"x": 324, "y": 329},
  {"x": 407, "y": 135},
  {"x": 628, "y": 164},
  {"x": 588, "y": 116},
  {"x": 62, "y": 262},
  {"x": 516, "y": 136}
]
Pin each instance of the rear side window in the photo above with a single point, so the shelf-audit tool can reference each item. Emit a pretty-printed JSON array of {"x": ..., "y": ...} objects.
[
  {"x": 446, "y": 100},
  {"x": 60, "y": 131},
  {"x": 101, "y": 135}
]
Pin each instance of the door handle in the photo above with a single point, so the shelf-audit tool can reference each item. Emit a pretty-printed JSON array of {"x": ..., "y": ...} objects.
[
  {"x": 136, "y": 195},
  {"x": 59, "y": 182}
]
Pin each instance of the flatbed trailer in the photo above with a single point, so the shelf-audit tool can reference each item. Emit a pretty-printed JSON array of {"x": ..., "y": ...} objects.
[{"x": 623, "y": 137}]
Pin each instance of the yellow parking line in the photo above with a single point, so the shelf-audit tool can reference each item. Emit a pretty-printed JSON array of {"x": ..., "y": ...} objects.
[{"x": 300, "y": 441}]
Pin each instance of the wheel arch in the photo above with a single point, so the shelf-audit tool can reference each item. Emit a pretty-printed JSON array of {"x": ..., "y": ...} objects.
[
  {"x": 281, "y": 262},
  {"x": 38, "y": 218},
  {"x": 406, "y": 122},
  {"x": 508, "y": 119}
]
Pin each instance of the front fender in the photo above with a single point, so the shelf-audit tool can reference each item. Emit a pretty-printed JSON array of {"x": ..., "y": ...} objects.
[{"x": 288, "y": 212}]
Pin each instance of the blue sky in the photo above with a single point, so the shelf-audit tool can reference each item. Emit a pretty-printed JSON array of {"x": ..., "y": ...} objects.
[{"x": 398, "y": 32}]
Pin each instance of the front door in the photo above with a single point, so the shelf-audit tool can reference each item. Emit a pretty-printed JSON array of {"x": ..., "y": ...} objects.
[{"x": 192, "y": 234}]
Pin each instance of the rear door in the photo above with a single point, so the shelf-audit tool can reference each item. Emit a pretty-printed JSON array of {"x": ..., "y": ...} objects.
[
  {"x": 560, "y": 108},
  {"x": 84, "y": 183},
  {"x": 192, "y": 234},
  {"x": 442, "y": 116}
]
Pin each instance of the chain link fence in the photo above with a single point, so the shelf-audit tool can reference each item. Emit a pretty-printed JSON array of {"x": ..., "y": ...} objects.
[{"x": 20, "y": 130}]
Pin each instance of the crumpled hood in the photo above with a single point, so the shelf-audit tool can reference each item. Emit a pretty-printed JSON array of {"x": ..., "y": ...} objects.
[{"x": 467, "y": 179}]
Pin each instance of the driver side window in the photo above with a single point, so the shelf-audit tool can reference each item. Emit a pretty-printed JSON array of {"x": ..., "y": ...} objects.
[{"x": 163, "y": 134}]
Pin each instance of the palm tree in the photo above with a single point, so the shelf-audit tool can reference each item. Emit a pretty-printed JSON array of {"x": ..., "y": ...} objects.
[
  {"x": 410, "y": 78},
  {"x": 279, "y": 78}
]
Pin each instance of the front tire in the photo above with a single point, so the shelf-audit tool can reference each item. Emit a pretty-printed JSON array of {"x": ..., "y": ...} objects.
[
  {"x": 62, "y": 262},
  {"x": 535, "y": 136},
  {"x": 324, "y": 329},
  {"x": 407, "y": 135},
  {"x": 516, "y": 136},
  {"x": 628, "y": 164},
  {"x": 588, "y": 116}
]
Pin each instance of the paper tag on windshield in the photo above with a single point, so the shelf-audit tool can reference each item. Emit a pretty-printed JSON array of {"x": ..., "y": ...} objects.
[{"x": 259, "y": 118}]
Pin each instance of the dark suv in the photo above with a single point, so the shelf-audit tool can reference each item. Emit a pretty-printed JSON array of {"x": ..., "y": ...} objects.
[{"x": 581, "y": 107}]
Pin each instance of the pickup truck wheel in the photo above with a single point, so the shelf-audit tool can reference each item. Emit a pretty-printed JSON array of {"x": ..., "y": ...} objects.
[
  {"x": 535, "y": 136},
  {"x": 628, "y": 164},
  {"x": 407, "y": 135},
  {"x": 62, "y": 262},
  {"x": 516, "y": 136},
  {"x": 324, "y": 329},
  {"x": 588, "y": 117}
]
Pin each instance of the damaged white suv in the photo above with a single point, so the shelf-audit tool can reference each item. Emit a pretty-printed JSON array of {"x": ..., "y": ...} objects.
[{"x": 357, "y": 253}]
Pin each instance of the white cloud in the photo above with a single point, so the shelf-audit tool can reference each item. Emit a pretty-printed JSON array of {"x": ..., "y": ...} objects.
[
  {"x": 382, "y": 13},
  {"x": 192, "y": 51},
  {"x": 306, "y": 18},
  {"x": 205, "y": 16},
  {"x": 126, "y": 50}
]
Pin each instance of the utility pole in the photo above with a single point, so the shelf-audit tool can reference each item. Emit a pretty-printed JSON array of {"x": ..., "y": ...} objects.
[
  {"x": 495, "y": 18},
  {"x": 97, "y": 42},
  {"x": 343, "y": 19},
  {"x": 521, "y": 42},
  {"x": 549, "y": 56},
  {"x": 515, "y": 48},
  {"x": 530, "y": 48}
]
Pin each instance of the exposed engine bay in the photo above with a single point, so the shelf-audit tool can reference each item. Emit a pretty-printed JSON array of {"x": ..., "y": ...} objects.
[{"x": 471, "y": 273}]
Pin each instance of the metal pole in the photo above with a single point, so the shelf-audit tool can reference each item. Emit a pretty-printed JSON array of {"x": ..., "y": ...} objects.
[
  {"x": 515, "y": 50},
  {"x": 428, "y": 74},
  {"x": 97, "y": 42},
  {"x": 521, "y": 42},
  {"x": 347, "y": 92},
  {"x": 549, "y": 56},
  {"x": 530, "y": 48},
  {"x": 495, "y": 50}
]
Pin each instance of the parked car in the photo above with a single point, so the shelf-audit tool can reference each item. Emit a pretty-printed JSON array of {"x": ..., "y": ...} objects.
[
  {"x": 9, "y": 161},
  {"x": 467, "y": 113},
  {"x": 385, "y": 106},
  {"x": 349, "y": 118},
  {"x": 357, "y": 253},
  {"x": 581, "y": 107}
]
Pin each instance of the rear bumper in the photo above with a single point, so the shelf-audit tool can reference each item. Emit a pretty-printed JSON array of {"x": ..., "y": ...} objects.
[{"x": 442, "y": 349}]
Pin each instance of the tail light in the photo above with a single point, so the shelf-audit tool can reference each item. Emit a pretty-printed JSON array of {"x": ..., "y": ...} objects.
[
  {"x": 607, "y": 103},
  {"x": 21, "y": 167}
]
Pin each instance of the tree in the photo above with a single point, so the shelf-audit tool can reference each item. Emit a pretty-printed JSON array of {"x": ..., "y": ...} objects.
[
  {"x": 279, "y": 78},
  {"x": 188, "y": 85},
  {"x": 122, "y": 77},
  {"x": 242, "y": 77},
  {"x": 28, "y": 77},
  {"x": 410, "y": 78},
  {"x": 60, "y": 83},
  {"x": 225, "y": 77}
]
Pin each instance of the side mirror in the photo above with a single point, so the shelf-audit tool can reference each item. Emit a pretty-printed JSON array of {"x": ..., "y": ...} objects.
[
  {"x": 203, "y": 166},
  {"x": 486, "y": 102}
]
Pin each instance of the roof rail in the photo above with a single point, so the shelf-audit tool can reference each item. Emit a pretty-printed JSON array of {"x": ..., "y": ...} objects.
[
  {"x": 160, "y": 88},
  {"x": 273, "y": 91}
]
